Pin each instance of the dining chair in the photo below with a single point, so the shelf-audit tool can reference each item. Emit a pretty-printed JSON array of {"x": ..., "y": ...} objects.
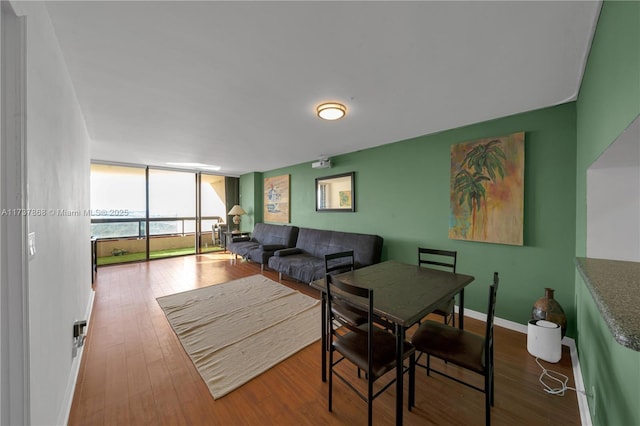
[
  {"x": 462, "y": 348},
  {"x": 215, "y": 234},
  {"x": 343, "y": 262},
  {"x": 216, "y": 231},
  {"x": 443, "y": 260},
  {"x": 367, "y": 346}
]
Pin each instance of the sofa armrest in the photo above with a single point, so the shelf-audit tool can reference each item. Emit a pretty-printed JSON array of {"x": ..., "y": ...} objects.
[
  {"x": 239, "y": 239},
  {"x": 287, "y": 252},
  {"x": 271, "y": 247}
]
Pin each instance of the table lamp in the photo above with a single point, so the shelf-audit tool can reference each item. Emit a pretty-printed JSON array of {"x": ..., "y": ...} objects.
[{"x": 236, "y": 211}]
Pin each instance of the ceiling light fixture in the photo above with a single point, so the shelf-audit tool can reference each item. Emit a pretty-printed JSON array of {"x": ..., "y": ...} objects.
[{"x": 331, "y": 111}]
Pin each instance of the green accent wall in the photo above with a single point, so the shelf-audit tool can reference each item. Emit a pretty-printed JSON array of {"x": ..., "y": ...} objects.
[
  {"x": 402, "y": 194},
  {"x": 608, "y": 102}
]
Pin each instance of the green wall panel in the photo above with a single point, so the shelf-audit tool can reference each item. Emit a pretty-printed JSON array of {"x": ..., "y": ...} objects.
[
  {"x": 610, "y": 371},
  {"x": 609, "y": 98},
  {"x": 608, "y": 102},
  {"x": 402, "y": 194}
]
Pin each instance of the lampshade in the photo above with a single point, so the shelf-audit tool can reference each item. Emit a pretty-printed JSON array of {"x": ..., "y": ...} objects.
[
  {"x": 236, "y": 211},
  {"x": 331, "y": 111}
]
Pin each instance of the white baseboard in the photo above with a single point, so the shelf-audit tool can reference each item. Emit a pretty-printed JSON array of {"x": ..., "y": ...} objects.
[
  {"x": 583, "y": 406},
  {"x": 65, "y": 411}
]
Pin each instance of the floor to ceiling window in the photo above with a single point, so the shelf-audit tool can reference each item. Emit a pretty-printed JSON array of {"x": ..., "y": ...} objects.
[
  {"x": 212, "y": 211},
  {"x": 118, "y": 212},
  {"x": 172, "y": 213},
  {"x": 140, "y": 213}
]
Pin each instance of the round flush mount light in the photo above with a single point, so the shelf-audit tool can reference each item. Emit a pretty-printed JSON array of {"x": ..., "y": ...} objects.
[{"x": 331, "y": 111}]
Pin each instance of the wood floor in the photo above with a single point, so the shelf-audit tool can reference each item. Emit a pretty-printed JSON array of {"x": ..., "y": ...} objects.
[{"x": 135, "y": 372}]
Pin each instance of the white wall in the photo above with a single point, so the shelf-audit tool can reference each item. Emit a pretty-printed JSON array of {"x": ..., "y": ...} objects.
[
  {"x": 613, "y": 199},
  {"x": 58, "y": 178},
  {"x": 614, "y": 219}
]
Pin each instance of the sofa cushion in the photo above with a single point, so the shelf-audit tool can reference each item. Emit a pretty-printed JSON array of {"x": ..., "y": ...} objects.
[
  {"x": 262, "y": 253},
  {"x": 367, "y": 247},
  {"x": 269, "y": 234},
  {"x": 242, "y": 248},
  {"x": 302, "y": 266}
]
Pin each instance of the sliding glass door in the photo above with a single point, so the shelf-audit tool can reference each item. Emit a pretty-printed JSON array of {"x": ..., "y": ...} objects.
[
  {"x": 140, "y": 213},
  {"x": 172, "y": 213},
  {"x": 212, "y": 212},
  {"x": 118, "y": 213}
]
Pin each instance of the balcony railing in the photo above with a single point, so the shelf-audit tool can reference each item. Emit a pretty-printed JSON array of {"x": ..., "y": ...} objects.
[
  {"x": 139, "y": 225},
  {"x": 122, "y": 236}
]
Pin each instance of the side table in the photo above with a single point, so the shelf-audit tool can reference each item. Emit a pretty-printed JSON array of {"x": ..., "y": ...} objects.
[{"x": 230, "y": 234}]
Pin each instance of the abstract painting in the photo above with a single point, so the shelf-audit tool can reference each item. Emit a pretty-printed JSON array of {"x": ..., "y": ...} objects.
[
  {"x": 487, "y": 190},
  {"x": 276, "y": 199}
]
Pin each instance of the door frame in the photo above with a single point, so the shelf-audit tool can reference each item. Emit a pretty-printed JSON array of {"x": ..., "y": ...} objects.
[{"x": 14, "y": 291}]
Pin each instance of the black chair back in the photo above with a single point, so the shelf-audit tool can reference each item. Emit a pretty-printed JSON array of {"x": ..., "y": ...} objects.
[
  {"x": 345, "y": 298},
  {"x": 491, "y": 313},
  {"x": 439, "y": 258},
  {"x": 442, "y": 260},
  {"x": 342, "y": 261},
  {"x": 338, "y": 263}
]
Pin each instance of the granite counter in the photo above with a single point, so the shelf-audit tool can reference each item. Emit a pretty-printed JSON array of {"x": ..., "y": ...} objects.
[{"x": 615, "y": 288}]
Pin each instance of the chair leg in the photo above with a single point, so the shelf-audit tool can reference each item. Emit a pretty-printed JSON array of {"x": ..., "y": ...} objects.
[
  {"x": 428, "y": 365},
  {"x": 487, "y": 409},
  {"x": 330, "y": 378},
  {"x": 492, "y": 386},
  {"x": 488, "y": 412},
  {"x": 370, "y": 400},
  {"x": 488, "y": 396},
  {"x": 412, "y": 382}
]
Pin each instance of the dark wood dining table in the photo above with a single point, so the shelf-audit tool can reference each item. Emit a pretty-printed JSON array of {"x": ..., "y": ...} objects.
[{"x": 403, "y": 295}]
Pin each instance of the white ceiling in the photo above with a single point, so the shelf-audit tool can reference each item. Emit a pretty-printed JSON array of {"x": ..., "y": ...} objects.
[{"x": 235, "y": 84}]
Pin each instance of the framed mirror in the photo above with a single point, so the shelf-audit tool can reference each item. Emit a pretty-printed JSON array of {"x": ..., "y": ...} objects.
[{"x": 336, "y": 193}]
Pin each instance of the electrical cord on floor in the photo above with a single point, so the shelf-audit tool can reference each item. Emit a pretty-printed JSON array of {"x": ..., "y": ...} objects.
[{"x": 557, "y": 378}]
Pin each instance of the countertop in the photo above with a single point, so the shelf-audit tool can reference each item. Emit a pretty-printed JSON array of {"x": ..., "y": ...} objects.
[{"x": 615, "y": 287}]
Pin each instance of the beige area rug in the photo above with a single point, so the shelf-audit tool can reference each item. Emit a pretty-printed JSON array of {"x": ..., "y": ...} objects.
[{"x": 237, "y": 330}]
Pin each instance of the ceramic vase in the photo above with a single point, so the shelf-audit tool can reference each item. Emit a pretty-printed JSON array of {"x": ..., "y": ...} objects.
[{"x": 547, "y": 308}]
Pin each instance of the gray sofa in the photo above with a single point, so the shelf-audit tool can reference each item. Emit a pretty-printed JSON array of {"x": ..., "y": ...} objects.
[
  {"x": 264, "y": 241},
  {"x": 305, "y": 261}
]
